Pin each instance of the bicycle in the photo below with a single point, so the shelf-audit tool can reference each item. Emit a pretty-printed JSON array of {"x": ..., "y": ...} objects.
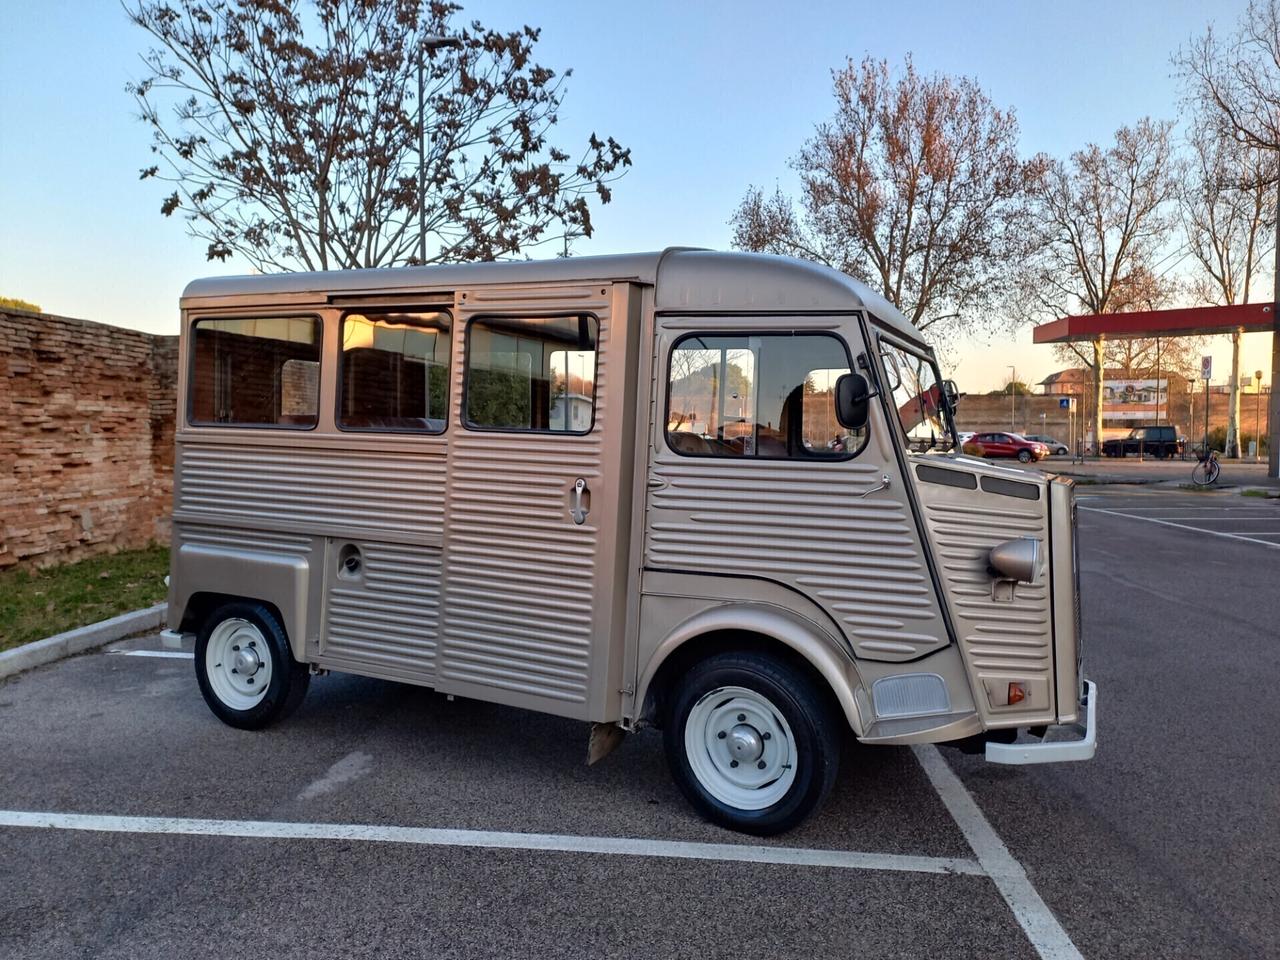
[{"x": 1205, "y": 473}]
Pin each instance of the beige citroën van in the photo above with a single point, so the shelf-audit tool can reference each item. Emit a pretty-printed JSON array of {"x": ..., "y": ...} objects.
[{"x": 715, "y": 493}]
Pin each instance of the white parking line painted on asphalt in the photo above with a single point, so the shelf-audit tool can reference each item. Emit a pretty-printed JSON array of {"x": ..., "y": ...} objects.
[
  {"x": 1231, "y": 508},
  {"x": 1179, "y": 513},
  {"x": 1183, "y": 526},
  {"x": 434, "y": 837},
  {"x": 1033, "y": 914},
  {"x": 163, "y": 654}
]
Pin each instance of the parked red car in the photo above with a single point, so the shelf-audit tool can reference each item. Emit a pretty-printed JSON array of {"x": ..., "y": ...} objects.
[{"x": 1006, "y": 445}]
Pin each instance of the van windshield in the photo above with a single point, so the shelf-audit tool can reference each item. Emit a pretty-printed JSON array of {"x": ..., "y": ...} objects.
[{"x": 916, "y": 388}]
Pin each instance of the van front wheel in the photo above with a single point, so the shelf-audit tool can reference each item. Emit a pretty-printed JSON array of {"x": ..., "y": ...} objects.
[
  {"x": 752, "y": 742},
  {"x": 247, "y": 674}
]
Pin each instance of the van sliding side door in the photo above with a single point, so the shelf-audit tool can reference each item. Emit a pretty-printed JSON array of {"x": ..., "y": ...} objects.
[{"x": 538, "y": 498}]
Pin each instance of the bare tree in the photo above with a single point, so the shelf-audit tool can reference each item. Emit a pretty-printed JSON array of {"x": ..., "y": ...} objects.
[
  {"x": 289, "y": 130},
  {"x": 1233, "y": 85},
  {"x": 1102, "y": 221},
  {"x": 914, "y": 187},
  {"x": 1228, "y": 213}
]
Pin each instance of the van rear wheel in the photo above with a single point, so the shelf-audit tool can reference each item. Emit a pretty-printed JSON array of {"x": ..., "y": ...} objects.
[
  {"x": 244, "y": 667},
  {"x": 752, "y": 742}
]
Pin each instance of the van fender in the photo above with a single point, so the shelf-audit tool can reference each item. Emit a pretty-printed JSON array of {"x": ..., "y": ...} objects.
[
  {"x": 266, "y": 577},
  {"x": 806, "y": 638}
]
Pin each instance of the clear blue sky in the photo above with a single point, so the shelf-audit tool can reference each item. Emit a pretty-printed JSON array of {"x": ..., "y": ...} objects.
[{"x": 710, "y": 96}]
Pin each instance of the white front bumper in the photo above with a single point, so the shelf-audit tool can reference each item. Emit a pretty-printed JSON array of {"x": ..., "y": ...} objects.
[{"x": 1055, "y": 751}]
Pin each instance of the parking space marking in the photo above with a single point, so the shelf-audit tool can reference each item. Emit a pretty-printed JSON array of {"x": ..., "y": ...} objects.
[
  {"x": 1033, "y": 914},
  {"x": 435, "y": 837},
  {"x": 1183, "y": 526},
  {"x": 166, "y": 654}
]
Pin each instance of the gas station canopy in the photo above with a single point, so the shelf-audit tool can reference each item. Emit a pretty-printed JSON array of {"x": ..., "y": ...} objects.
[{"x": 1184, "y": 322}]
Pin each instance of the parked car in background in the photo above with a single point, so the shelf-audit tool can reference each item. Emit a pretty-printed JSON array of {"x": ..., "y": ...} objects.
[
  {"x": 1160, "y": 441},
  {"x": 1006, "y": 445},
  {"x": 1056, "y": 447}
]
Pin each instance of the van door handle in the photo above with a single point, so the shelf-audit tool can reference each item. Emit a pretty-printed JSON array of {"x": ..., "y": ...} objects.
[
  {"x": 580, "y": 501},
  {"x": 882, "y": 485}
]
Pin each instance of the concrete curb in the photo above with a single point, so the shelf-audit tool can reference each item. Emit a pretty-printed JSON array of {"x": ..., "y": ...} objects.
[{"x": 82, "y": 638}]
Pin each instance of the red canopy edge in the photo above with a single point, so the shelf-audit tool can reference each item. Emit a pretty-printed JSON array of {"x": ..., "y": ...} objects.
[{"x": 1184, "y": 321}]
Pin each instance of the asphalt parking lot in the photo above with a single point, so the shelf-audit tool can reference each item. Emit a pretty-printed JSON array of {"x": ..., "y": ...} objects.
[
  {"x": 387, "y": 820},
  {"x": 1218, "y": 514}
]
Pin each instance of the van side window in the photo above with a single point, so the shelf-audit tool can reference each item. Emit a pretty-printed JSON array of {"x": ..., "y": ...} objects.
[
  {"x": 394, "y": 373},
  {"x": 255, "y": 371},
  {"x": 766, "y": 396},
  {"x": 531, "y": 374}
]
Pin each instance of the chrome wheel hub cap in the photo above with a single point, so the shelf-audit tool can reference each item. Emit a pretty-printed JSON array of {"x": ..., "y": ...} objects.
[
  {"x": 246, "y": 662},
  {"x": 745, "y": 743}
]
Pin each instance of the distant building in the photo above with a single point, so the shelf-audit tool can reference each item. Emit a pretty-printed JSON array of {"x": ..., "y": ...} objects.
[{"x": 1130, "y": 398}]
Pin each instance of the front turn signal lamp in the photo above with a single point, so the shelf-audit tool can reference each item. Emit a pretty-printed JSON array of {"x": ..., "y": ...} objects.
[{"x": 1017, "y": 692}]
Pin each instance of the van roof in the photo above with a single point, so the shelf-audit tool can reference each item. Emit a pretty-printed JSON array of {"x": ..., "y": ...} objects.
[{"x": 684, "y": 279}]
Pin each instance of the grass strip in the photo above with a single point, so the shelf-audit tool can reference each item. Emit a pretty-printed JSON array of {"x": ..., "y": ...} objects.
[{"x": 35, "y": 604}]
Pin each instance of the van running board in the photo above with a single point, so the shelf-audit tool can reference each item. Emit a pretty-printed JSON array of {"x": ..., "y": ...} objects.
[{"x": 937, "y": 728}]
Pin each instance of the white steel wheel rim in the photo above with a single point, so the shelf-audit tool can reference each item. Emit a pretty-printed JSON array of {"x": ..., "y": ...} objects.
[
  {"x": 237, "y": 661},
  {"x": 740, "y": 748}
]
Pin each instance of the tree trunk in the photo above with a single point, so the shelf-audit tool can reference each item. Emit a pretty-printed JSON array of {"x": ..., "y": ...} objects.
[
  {"x": 1233, "y": 403},
  {"x": 1097, "y": 397}
]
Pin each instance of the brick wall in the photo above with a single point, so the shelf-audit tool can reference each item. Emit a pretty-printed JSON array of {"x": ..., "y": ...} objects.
[
  {"x": 86, "y": 437},
  {"x": 980, "y": 413}
]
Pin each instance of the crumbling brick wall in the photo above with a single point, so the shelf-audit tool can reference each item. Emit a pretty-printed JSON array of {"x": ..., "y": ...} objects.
[{"x": 86, "y": 437}]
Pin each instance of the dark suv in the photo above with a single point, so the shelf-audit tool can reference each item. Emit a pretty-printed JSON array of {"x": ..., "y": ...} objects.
[{"x": 1150, "y": 441}]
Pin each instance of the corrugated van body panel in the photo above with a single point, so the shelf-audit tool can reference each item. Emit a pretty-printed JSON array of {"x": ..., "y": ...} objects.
[
  {"x": 819, "y": 528},
  {"x": 233, "y": 538},
  {"x": 1001, "y": 639},
  {"x": 387, "y": 496},
  {"x": 385, "y": 620},
  {"x": 520, "y": 576}
]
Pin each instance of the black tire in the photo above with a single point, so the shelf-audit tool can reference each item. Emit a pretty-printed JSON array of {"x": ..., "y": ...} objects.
[
  {"x": 814, "y": 723},
  {"x": 1025, "y": 456},
  {"x": 289, "y": 679}
]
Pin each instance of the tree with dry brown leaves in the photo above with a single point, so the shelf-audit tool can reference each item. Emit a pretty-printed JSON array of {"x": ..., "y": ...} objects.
[
  {"x": 1102, "y": 221},
  {"x": 914, "y": 187},
  {"x": 1229, "y": 214},
  {"x": 1232, "y": 85},
  {"x": 289, "y": 131}
]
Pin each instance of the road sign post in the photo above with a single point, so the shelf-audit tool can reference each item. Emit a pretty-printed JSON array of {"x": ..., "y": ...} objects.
[
  {"x": 1206, "y": 373},
  {"x": 1069, "y": 404}
]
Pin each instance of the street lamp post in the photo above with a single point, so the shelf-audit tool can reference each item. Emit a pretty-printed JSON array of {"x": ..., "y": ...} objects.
[
  {"x": 1257, "y": 415},
  {"x": 430, "y": 44}
]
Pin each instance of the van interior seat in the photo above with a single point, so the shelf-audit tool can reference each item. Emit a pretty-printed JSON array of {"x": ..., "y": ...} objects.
[{"x": 682, "y": 441}]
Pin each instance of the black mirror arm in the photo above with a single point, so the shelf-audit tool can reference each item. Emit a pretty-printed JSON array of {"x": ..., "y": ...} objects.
[{"x": 865, "y": 365}]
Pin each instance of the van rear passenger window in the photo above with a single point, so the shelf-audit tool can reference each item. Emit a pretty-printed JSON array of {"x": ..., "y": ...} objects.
[
  {"x": 394, "y": 374},
  {"x": 532, "y": 374},
  {"x": 256, "y": 371},
  {"x": 766, "y": 396}
]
